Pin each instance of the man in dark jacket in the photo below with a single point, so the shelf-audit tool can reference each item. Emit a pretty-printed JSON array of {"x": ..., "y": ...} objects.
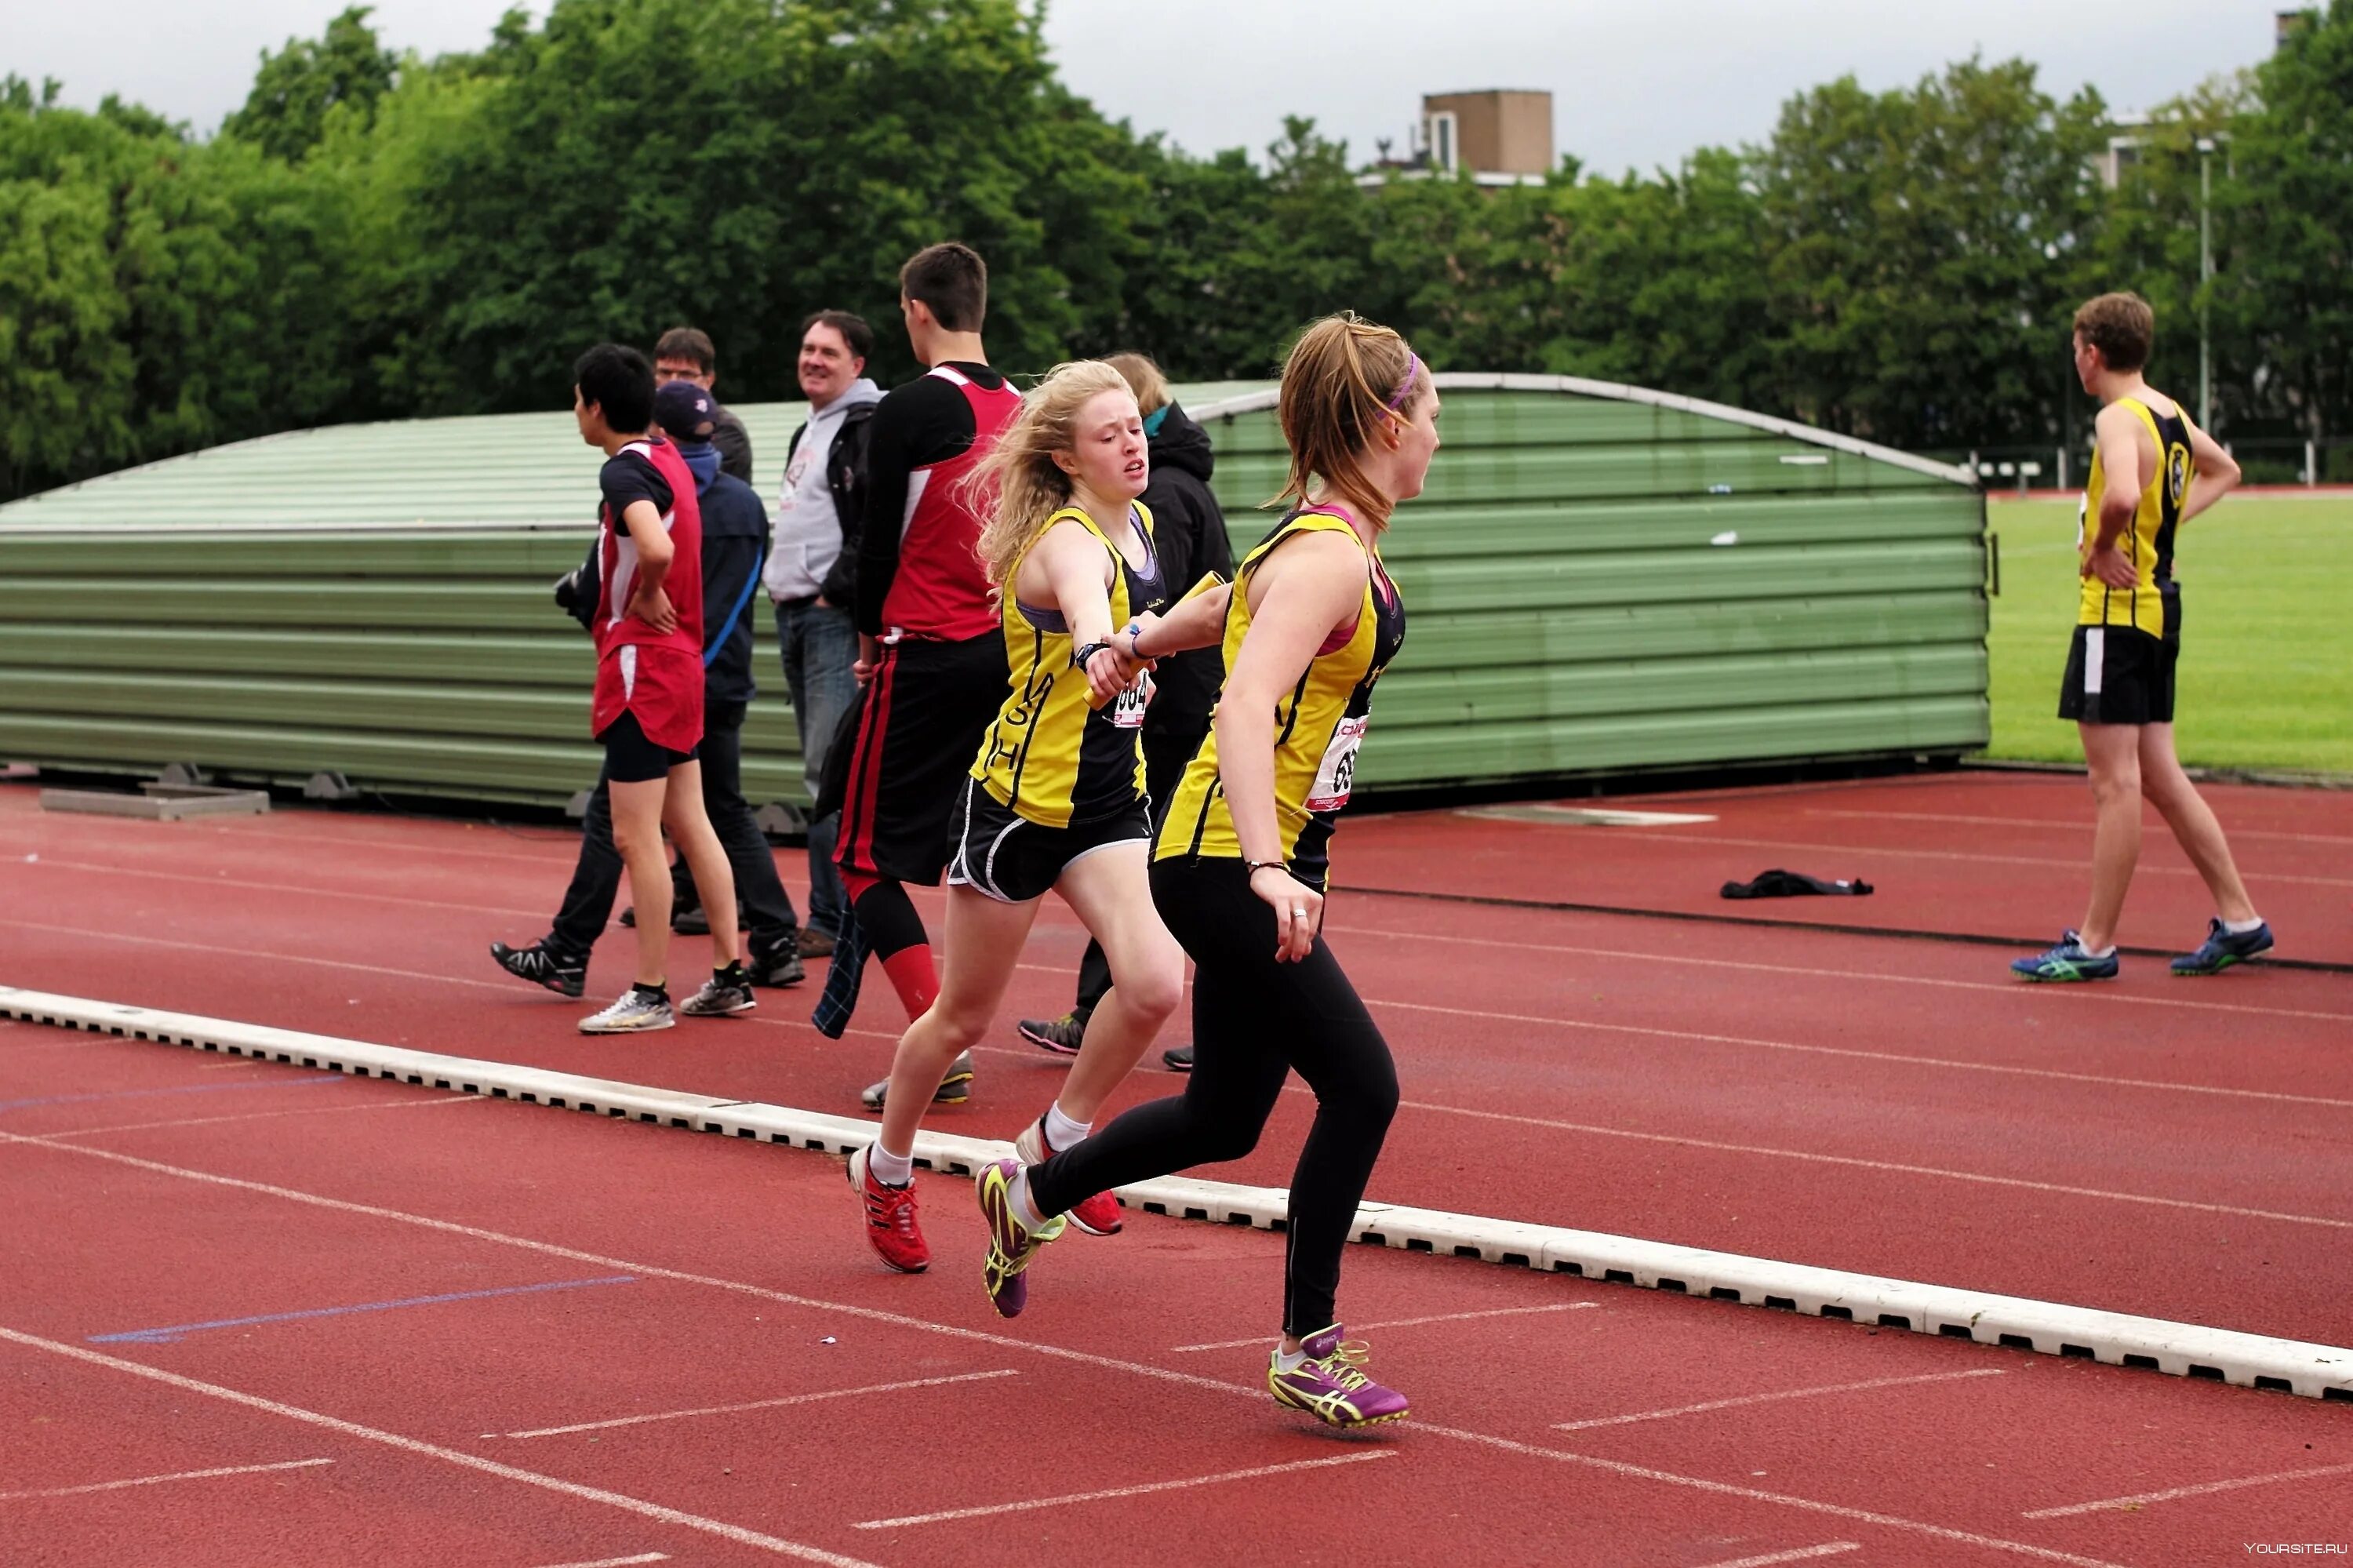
[
  {"x": 735, "y": 545},
  {"x": 684, "y": 354},
  {"x": 1188, "y": 531}
]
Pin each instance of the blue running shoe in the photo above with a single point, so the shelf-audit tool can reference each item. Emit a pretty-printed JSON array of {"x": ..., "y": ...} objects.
[
  {"x": 2067, "y": 961},
  {"x": 2222, "y": 948}
]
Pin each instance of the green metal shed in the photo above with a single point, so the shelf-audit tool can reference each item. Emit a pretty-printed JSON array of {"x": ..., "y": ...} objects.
[{"x": 1601, "y": 578}]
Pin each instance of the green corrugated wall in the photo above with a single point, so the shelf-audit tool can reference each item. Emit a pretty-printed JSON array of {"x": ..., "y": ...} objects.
[{"x": 1595, "y": 583}]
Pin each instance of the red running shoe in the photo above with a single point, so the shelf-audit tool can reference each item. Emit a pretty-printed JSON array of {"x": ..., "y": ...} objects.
[
  {"x": 891, "y": 1227},
  {"x": 1098, "y": 1215}
]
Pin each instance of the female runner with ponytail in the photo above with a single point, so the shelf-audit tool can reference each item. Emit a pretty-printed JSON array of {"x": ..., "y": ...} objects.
[
  {"x": 1238, "y": 867},
  {"x": 1055, "y": 800}
]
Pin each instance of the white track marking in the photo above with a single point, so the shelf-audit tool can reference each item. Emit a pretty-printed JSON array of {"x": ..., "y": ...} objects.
[
  {"x": 1401, "y": 1323},
  {"x": 1856, "y": 1163},
  {"x": 1897, "y": 1057},
  {"x": 2018, "y": 988},
  {"x": 1005, "y": 1341},
  {"x": 1769, "y": 1399},
  {"x": 618, "y": 1561},
  {"x": 159, "y": 1480},
  {"x": 437, "y": 1103},
  {"x": 1800, "y": 1555},
  {"x": 1757, "y": 1494},
  {"x": 363, "y": 895},
  {"x": 2082, "y": 825},
  {"x": 2043, "y": 861},
  {"x": 725, "y": 1532},
  {"x": 1109, "y": 1492},
  {"x": 2197, "y": 1491},
  {"x": 608, "y": 1426}
]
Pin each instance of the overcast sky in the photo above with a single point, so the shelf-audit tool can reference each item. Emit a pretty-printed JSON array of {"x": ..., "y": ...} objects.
[{"x": 1634, "y": 82}]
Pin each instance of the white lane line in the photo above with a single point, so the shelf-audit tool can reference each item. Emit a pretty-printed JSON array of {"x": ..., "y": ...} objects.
[
  {"x": 2016, "y": 989},
  {"x": 2081, "y": 825},
  {"x": 363, "y": 895},
  {"x": 639, "y": 1505},
  {"x": 159, "y": 1480},
  {"x": 1900, "y": 1058},
  {"x": 437, "y": 1103},
  {"x": 1757, "y": 1494},
  {"x": 2199, "y": 1490},
  {"x": 1857, "y": 1163},
  {"x": 1254, "y": 1393},
  {"x": 1769, "y": 1399},
  {"x": 618, "y": 1561},
  {"x": 1801, "y": 1554},
  {"x": 753, "y": 1404},
  {"x": 1402, "y": 1323},
  {"x": 2042, "y": 860},
  {"x": 1136, "y": 1491}
]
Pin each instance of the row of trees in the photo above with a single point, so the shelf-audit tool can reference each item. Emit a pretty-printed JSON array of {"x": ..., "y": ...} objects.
[{"x": 375, "y": 237}]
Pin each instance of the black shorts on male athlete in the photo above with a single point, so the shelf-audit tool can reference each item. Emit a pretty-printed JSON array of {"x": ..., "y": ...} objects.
[
  {"x": 921, "y": 725},
  {"x": 2121, "y": 675}
]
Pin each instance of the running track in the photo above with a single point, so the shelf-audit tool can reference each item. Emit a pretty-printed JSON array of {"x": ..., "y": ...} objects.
[{"x": 2158, "y": 1147}]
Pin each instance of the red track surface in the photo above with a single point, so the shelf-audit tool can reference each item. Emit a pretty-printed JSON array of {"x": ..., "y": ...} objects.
[{"x": 2163, "y": 1147}]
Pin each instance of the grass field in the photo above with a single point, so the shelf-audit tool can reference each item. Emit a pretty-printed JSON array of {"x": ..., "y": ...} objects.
[{"x": 2267, "y": 622}]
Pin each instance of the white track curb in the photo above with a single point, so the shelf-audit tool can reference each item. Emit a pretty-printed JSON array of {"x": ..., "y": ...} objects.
[{"x": 2185, "y": 1350}]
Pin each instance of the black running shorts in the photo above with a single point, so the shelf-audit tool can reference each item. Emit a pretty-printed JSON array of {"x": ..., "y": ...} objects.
[
  {"x": 920, "y": 725},
  {"x": 2116, "y": 674},
  {"x": 631, "y": 758},
  {"x": 1014, "y": 860}
]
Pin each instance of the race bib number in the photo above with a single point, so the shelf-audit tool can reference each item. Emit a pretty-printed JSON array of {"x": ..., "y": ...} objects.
[
  {"x": 1335, "y": 776},
  {"x": 1127, "y": 708}
]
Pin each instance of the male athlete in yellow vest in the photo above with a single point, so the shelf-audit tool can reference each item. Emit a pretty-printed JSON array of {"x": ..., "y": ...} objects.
[{"x": 2152, "y": 471}]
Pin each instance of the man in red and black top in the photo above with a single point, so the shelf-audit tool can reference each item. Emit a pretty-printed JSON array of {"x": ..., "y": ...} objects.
[
  {"x": 931, "y": 637},
  {"x": 646, "y": 711}
]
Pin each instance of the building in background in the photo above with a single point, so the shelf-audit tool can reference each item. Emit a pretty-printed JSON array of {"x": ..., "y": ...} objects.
[{"x": 1500, "y": 136}]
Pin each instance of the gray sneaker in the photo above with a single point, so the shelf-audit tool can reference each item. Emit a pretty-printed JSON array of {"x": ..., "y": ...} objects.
[
  {"x": 719, "y": 999},
  {"x": 954, "y": 1088},
  {"x": 636, "y": 1013}
]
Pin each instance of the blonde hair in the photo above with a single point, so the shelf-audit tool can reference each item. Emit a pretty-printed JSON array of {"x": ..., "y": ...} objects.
[
  {"x": 1343, "y": 378},
  {"x": 1144, "y": 379},
  {"x": 1018, "y": 485}
]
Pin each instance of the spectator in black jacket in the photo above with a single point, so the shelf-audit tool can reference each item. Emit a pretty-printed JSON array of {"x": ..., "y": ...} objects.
[
  {"x": 684, "y": 354},
  {"x": 1189, "y": 532},
  {"x": 735, "y": 545},
  {"x": 812, "y": 575}
]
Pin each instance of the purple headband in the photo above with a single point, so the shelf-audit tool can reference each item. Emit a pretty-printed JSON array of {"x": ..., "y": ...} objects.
[{"x": 1412, "y": 369}]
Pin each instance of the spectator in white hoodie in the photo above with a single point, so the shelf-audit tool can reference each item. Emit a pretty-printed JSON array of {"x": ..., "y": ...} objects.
[{"x": 812, "y": 572}]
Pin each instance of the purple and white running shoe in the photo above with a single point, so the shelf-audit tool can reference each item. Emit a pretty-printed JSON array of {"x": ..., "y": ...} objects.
[
  {"x": 1011, "y": 1244},
  {"x": 1329, "y": 1386}
]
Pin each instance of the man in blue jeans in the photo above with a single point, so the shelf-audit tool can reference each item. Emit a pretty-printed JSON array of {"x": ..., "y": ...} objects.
[{"x": 812, "y": 571}]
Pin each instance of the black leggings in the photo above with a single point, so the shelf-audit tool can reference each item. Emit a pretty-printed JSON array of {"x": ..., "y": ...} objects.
[{"x": 1254, "y": 1019}]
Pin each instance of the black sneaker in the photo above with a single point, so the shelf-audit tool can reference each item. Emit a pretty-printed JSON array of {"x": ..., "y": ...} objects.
[
  {"x": 1179, "y": 1058},
  {"x": 629, "y": 916},
  {"x": 541, "y": 966},
  {"x": 1061, "y": 1035},
  {"x": 689, "y": 921},
  {"x": 777, "y": 967},
  {"x": 721, "y": 997},
  {"x": 954, "y": 1090}
]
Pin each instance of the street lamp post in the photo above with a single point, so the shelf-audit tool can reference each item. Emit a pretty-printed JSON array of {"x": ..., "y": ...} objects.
[{"x": 2205, "y": 279}]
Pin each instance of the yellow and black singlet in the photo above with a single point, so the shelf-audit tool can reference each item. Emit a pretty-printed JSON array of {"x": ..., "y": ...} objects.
[
  {"x": 2148, "y": 542},
  {"x": 1317, "y": 728},
  {"x": 1050, "y": 757}
]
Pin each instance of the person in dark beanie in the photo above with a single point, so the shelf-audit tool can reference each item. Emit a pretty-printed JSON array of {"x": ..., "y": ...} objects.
[
  {"x": 735, "y": 545},
  {"x": 684, "y": 354},
  {"x": 1189, "y": 529}
]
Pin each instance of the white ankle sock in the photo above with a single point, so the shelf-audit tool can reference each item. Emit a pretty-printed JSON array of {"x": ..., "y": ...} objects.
[
  {"x": 1025, "y": 1208},
  {"x": 1061, "y": 1132},
  {"x": 2107, "y": 952},
  {"x": 1288, "y": 1360},
  {"x": 891, "y": 1170},
  {"x": 2241, "y": 927}
]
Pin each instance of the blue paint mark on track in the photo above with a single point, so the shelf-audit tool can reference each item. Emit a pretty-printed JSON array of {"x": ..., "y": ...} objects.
[
  {"x": 167, "y": 1335},
  {"x": 272, "y": 1083}
]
